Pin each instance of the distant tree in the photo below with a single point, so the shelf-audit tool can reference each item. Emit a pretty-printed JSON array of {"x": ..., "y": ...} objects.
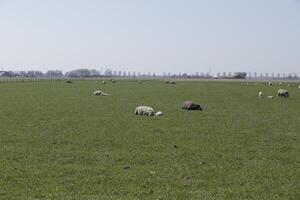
[
  {"x": 54, "y": 73},
  {"x": 108, "y": 72}
]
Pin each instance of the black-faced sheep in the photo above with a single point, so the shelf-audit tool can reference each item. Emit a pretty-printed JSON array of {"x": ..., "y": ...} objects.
[{"x": 283, "y": 93}]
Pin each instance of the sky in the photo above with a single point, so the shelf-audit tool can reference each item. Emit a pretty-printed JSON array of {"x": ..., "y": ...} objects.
[{"x": 151, "y": 36}]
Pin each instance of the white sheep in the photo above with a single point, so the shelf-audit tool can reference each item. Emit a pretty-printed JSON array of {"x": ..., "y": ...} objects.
[
  {"x": 270, "y": 83},
  {"x": 104, "y": 82},
  {"x": 270, "y": 97},
  {"x": 144, "y": 110},
  {"x": 260, "y": 94},
  {"x": 100, "y": 93}
]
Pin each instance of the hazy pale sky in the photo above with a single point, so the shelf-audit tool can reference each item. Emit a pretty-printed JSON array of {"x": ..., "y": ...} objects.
[{"x": 151, "y": 35}]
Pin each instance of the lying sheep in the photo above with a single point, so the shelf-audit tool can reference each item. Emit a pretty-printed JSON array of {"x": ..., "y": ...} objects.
[
  {"x": 189, "y": 105},
  {"x": 260, "y": 94},
  {"x": 100, "y": 93},
  {"x": 68, "y": 81},
  {"x": 144, "y": 110},
  {"x": 283, "y": 93}
]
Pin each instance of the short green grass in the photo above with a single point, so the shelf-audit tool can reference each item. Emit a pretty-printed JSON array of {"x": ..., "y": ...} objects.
[{"x": 58, "y": 141}]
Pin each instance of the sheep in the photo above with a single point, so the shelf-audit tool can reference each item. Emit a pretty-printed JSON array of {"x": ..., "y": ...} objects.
[
  {"x": 159, "y": 114},
  {"x": 270, "y": 97},
  {"x": 283, "y": 93},
  {"x": 104, "y": 82},
  {"x": 280, "y": 84},
  {"x": 299, "y": 86},
  {"x": 260, "y": 94},
  {"x": 100, "y": 93},
  {"x": 189, "y": 105},
  {"x": 172, "y": 82},
  {"x": 69, "y": 82},
  {"x": 140, "y": 82},
  {"x": 144, "y": 110},
  {"x": 270, "y": 84},
  {"x": 167, "y": 82}
]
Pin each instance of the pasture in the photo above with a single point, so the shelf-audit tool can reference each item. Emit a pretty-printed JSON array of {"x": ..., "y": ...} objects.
[{"x": 58, "y": 141}]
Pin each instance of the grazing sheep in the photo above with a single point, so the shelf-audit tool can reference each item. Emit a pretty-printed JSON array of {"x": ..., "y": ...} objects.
[
  {"x": 280, "y": 84},
  {"x": 159, "y": 114},
  {"x": 113, "y": 81},
  {"x": 68, "y": 81},
  {"x": 104, "y": 82},
  {"x": 270, "y": 97},
  {"x": 283, "y": 93},
  {"x": 270, "y": 84},
  {"x": 189, "y": 105},
  {"x": 173, "y": 82},
  {"x": 260, "y": 94},
  {"x": 100, "y": 93},
  {"x": 167, "y": 82},
  {"x": 144, "y": 110},
  {"x": 140, "y": 82}
]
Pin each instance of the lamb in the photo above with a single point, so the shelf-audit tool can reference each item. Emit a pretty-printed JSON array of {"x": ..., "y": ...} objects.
[
  {"x": 100, "y": 93},
  {"x": 159, "y": 114},
  {"x": 189, "y": 105},
  {"x": 144, "y": 110}
]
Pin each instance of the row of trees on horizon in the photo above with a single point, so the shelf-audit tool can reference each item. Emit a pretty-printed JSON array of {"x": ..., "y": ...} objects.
[{"x": 113, "y": 73}]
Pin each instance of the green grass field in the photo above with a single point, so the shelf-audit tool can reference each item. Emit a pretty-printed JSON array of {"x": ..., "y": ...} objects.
[{"x": 58, "y": 141}]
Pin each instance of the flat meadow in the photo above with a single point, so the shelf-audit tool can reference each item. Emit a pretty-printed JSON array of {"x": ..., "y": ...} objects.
[{"x": 58, "y": 141}]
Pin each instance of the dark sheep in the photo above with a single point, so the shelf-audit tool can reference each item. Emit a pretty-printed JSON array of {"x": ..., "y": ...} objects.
[{"x": 189, "y": 105}]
